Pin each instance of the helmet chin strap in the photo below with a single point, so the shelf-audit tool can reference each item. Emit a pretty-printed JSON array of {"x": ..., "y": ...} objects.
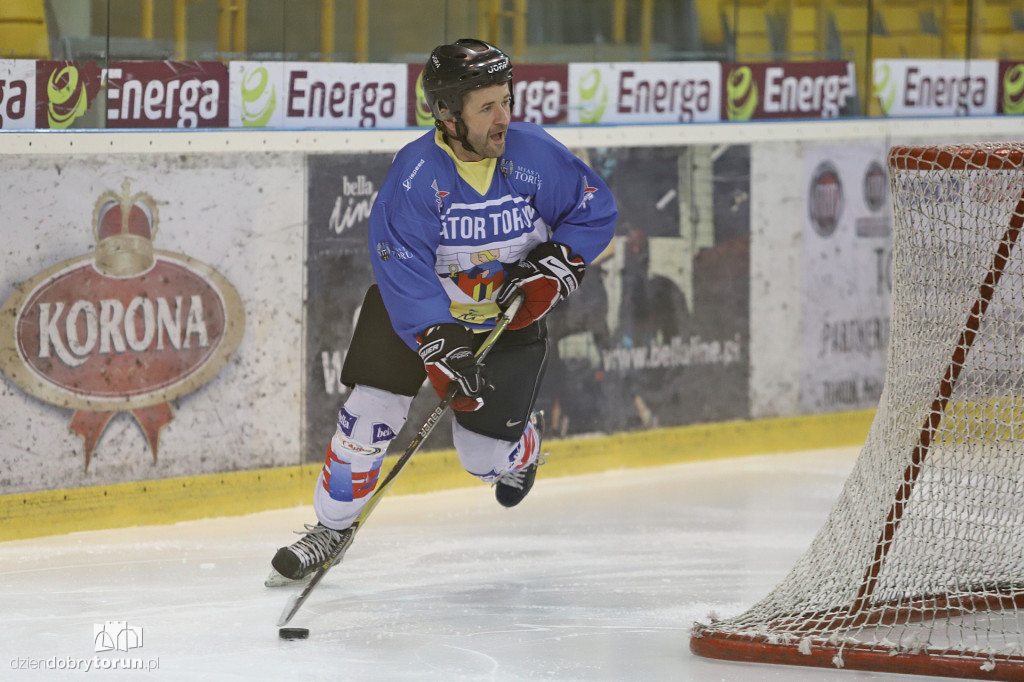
[{"x": 461, "y": 134}]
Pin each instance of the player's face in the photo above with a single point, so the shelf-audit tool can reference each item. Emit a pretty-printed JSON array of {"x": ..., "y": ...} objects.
[{"x": 486, "y": 113}]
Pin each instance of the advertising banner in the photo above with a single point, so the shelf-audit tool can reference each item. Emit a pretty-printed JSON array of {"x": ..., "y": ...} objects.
[
  {"x": 65, "y": 93},
  {"x": 540, "y": 93},
  {"x": 137, "y": 94},
  {"x": 789, "y": 90},
  {"x": 846, "y": 258},
  {"x": 51, "y": 94},
  {"x": 658, "y": 333},
  {"x": 936, "y": 87},
  {"x": 317, "y": 94},
  {"x": 340, "y": 192},
  {"x": 167, "y": 95},
  {"x": 17, "y": 94},
  {"x": 1011, "y": 88},
  {"x": 645, "y": 92},
  {"x": 130, "y": 291}
]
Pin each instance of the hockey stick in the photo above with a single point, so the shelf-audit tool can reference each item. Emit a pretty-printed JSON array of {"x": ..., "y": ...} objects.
[{"x": 296, "y": 601}]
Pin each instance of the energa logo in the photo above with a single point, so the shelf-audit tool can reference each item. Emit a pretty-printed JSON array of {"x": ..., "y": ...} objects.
[
  {"x": 884, "y": 87},
  {"x": 66, "y": 97},
  {"x": 593, "y": 97},
  {"x": 742, "y": 94},
  {"x": 424, "y": 117},
  {"x": 1013, "y": 90},
  {"x": 259, "y": 98}
]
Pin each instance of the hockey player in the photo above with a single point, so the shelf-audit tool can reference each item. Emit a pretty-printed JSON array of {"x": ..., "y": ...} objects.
[{"x": 468, "y": 215}]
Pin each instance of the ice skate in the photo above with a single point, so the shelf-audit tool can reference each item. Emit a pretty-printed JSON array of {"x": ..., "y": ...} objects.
[
  {"x": 299, "y": 560},
  {"x": 511, "y": 488}
]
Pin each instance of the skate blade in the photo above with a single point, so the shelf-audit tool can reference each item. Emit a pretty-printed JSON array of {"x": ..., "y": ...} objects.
[{"x": 275, "y": 579}]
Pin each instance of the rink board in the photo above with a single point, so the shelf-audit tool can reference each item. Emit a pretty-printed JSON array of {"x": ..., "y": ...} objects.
[
  {"x": 181, "y": 499},
  {"x": 237, "y": 203}
]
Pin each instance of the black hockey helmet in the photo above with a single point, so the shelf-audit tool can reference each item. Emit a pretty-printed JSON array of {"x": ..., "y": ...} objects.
[{"x": 465, "y": 65}]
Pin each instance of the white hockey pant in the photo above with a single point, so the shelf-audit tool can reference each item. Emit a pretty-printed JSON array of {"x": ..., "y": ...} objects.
[{"x": 367, "y": 422}]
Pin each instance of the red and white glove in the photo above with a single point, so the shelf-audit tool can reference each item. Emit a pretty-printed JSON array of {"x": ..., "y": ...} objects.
[
  {"x": 546, "y": 276},
  {"x": 447, "y": 352}
]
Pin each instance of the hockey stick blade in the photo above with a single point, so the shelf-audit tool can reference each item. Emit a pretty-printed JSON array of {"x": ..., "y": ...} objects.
[{"x": 295, "y": 602}]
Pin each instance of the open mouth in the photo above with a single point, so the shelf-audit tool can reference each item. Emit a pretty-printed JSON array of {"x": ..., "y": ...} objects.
[{"x": 498, "y": 137}]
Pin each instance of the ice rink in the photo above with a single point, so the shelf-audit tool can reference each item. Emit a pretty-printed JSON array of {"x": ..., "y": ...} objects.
[{"x": 593, "y": 577}]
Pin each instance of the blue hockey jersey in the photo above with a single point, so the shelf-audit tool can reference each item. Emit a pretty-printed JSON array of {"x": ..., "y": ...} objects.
[{"x": 439, "y": 241}]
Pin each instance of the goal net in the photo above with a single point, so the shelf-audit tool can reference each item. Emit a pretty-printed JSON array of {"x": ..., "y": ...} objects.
[{"x": 919, "y": 567}]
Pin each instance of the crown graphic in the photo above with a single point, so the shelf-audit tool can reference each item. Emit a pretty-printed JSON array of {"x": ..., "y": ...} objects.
[{"x": 124, "y": 226}]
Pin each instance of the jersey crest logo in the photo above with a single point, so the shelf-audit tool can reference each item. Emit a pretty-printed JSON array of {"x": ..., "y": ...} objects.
[
  {"x": 506, "y": 168},
  {"x": 439, "y": 195},
  {"x": 588, "y": 193},
  {"x": 385, "y": 250},
  {"x": 482, "y": 282}
]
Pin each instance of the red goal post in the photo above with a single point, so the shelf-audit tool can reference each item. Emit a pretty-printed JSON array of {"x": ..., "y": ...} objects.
[{"x": 919, "y": 567}]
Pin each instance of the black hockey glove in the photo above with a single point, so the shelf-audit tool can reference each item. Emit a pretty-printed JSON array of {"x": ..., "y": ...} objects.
[
  {"x": 447, "y": 352},
  {"x": 546, "y": 276}
]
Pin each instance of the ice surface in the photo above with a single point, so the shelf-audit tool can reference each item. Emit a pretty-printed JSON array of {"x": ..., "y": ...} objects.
[{"x": 594, "y": 577}]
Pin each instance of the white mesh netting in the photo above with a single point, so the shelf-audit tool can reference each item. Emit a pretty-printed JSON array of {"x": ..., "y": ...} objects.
[{"x": 923, "y": 553}]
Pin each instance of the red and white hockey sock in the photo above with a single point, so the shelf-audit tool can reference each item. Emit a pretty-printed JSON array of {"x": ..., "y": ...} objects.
[
  {"x": 367, "y": 423},
  {"x": 526, "y": 450}
]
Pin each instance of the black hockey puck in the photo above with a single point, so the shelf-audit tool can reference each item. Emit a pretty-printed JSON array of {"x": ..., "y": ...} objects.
[{"x": 293, "y": 633}]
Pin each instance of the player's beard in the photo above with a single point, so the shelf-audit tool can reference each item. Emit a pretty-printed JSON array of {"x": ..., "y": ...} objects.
[{"x": 486, "y": 146}]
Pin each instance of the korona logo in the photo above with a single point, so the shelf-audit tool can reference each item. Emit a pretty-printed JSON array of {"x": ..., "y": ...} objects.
[{"x": 126, "y": 328}]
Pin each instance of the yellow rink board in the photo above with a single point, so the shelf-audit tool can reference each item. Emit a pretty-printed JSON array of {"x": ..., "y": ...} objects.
[{"x": 172, "y": 500}]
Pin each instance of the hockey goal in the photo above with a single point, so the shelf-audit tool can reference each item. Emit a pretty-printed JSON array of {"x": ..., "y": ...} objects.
[{"x": 919, "y": 567}]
